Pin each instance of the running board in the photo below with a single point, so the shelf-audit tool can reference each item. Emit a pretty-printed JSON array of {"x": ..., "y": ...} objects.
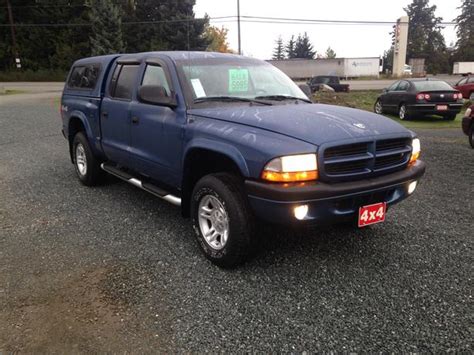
[{"x": 154, "y": 190}]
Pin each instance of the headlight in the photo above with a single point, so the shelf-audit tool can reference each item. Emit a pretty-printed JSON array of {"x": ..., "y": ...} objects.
[
  {"x": 415, "y": 150},
  {"x": 291, "y": 168}
]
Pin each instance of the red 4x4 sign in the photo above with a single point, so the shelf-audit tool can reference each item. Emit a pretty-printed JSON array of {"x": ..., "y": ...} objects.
[{"x": 372, "y": 214}]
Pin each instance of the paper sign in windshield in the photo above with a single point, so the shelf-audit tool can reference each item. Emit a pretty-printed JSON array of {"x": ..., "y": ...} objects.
[
  {"x": 238, "y": 80},
  {"x": 197, "y": 87}
]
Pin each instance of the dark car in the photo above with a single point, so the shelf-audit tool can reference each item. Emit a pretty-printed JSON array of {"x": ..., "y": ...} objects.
[
  {"x": 420, "y": 97},
  {"x": 466, "y": 87},
  {"x": 332, "y": 81}
]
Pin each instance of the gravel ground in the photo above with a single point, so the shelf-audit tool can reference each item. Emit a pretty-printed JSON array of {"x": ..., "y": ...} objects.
[{"x": 114, "y": 269}]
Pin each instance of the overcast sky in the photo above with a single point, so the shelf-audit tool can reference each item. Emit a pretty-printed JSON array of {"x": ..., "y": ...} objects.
[{"x": 258, "y": 40}]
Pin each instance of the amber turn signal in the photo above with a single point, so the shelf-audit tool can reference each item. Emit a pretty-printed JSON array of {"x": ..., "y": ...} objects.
[{"x": 298, "y": 176}]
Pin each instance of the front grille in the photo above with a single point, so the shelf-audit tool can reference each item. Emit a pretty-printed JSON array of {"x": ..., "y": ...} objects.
[{"x": 364, "y": 159}]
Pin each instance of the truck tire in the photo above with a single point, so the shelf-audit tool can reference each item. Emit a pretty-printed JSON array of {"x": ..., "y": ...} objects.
[
  {"x": 222, "y": 219},
  {"x": 85, "y": 163}
]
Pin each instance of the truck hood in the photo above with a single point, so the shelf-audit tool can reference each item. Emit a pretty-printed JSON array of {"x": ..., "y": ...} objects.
[{"x": 313, "y": 123}]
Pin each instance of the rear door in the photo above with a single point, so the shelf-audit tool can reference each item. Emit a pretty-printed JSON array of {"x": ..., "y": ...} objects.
[
  {"x": 115, "y": 112},
  {"x": 388, "y": 98},
  {"x": 400, "y": 95}
]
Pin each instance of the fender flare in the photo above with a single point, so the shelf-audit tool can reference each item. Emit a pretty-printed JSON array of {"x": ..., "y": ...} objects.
[{"x": 218, "y": 147}]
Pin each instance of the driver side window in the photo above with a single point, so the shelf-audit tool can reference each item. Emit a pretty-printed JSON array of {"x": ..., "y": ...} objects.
[{"x": 155, "y": 75}]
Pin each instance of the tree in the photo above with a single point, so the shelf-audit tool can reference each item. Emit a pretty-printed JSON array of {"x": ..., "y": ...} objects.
[
  {"x": 171, "y": 25},
  {"x": 425, "y": 39},
  {"x": 106, "y": 25},
  {"x": 330, "y": 53},
  {"x": 303, "y": 47},
  {"x": 464, "y": 49},
  {"x": 290, "y": 48},
  {"x": 217, "y": 38},
  {"x": 279, "y": 51},
  {"x": 388, "y": 60}
]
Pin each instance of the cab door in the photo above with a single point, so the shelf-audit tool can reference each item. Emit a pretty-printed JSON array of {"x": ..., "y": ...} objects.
[
  {"x": 115, "y": 113},
  {"x": 156, "y": 131}
]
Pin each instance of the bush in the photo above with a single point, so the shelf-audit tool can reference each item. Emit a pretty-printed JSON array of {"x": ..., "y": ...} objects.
[{"x": 31, "y": 75}]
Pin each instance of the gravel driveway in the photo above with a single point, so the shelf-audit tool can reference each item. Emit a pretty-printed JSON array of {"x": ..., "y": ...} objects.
[{"x": 114, "y": 269}]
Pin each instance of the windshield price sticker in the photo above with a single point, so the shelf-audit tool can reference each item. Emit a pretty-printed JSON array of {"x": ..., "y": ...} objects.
[
  {"x": 238, "y": 80},
  {"x": 198, "y": 89}
]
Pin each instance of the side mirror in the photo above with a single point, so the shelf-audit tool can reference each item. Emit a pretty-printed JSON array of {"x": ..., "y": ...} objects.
[
  {"x": 384, "y": 91},
  {"x": 305, "y": 88},
  {"x": 156, "y": 95}
]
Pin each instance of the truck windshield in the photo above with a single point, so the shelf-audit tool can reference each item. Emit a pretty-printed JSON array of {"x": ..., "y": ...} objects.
[{"x": 235, "y": 77}]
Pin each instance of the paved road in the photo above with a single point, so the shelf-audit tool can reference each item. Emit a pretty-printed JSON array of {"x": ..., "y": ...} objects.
[{"x": 113, "y": 269}]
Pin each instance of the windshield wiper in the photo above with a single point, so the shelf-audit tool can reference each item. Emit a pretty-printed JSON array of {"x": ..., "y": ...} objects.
[
  {"x": 230, "y": 98},
  {"x": 282, "y": 97}
]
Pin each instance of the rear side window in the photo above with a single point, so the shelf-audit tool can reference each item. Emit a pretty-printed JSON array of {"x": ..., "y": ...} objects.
[
  {"x": 84, "y": 76},
  {"x": 122, "y": 86},
  {"x": 403, "y": 86},
  {"x": 155, "y": 75}
]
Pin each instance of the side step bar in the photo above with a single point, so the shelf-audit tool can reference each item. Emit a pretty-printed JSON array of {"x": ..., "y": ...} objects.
[{"x": 154, "y": 190}]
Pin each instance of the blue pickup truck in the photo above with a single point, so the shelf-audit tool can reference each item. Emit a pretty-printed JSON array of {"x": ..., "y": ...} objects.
[{"x": 233, "y": 141}]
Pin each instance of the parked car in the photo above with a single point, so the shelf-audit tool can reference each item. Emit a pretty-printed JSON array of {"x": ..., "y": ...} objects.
[
  {"x": 316, "y": 82},
  {"x": 230, "y": 140},
  {"x": 466, "y": 87},
  {"x": 468, "y": 124},
  {"x": 407, "y": 70},
  {"x": 410, "y": 97}
]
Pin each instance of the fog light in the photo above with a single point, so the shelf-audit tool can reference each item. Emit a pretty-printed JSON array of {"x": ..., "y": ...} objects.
[
  {"x": 412, "y": 187},
  {"x": 301, "y": 212}
]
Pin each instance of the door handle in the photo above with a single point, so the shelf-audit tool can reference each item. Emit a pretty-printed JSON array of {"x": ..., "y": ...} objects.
[
  {"x": 105, "y": 114},
  {"x": 135, "y": 120}
]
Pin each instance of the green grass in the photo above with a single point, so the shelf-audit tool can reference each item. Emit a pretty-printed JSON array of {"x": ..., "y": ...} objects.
[{"x": 365, "y": 100}]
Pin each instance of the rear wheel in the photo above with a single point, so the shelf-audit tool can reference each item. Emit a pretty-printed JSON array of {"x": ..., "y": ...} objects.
[
  {"x": 403, "y": 112},
  {"x": 87, "y": 166},
  {"x": 378, "y": 108},
  {"x": 222, "y": 219}
]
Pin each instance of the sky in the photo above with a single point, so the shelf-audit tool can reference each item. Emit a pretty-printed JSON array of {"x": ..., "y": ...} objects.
[{"x": 258, "y": 40}]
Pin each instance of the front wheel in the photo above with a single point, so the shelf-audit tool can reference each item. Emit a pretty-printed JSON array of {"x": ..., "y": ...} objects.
[
  {"x": 378, "y": 108},
  {"x": 222, "y": 219},
  {"x": 403, "y": 112}
]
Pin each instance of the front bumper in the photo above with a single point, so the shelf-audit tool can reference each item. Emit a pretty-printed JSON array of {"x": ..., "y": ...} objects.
[
  {"x": 430, "y": 109},
  {"x": 328, "y": 203}
]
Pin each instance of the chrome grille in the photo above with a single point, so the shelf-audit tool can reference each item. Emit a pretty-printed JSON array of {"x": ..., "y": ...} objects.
[{"x": 365, "y": 158}]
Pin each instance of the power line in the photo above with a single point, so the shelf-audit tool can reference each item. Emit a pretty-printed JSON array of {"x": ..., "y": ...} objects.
[
  {"x": 190, "y": 19},
  {"x": 228, "y": 19}
]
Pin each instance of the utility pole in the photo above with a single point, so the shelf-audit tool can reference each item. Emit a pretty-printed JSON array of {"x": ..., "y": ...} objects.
[
  {"x": 238, "y": 25},
  {"x": 12, "y": 28}
]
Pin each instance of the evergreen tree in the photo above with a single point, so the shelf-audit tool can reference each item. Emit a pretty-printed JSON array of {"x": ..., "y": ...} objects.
[
  {"x": 175, "y": 26},
  {"x": 106, "y": 35},
  {"x": 464, "y": 50},
  {"x": 303, "y": 47},
  {"x": 425, "y": 39},
  {"x": 279, "y": 51},
  {"x": 330, "y": 53},
  {"x": 290, "y": 48}
]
